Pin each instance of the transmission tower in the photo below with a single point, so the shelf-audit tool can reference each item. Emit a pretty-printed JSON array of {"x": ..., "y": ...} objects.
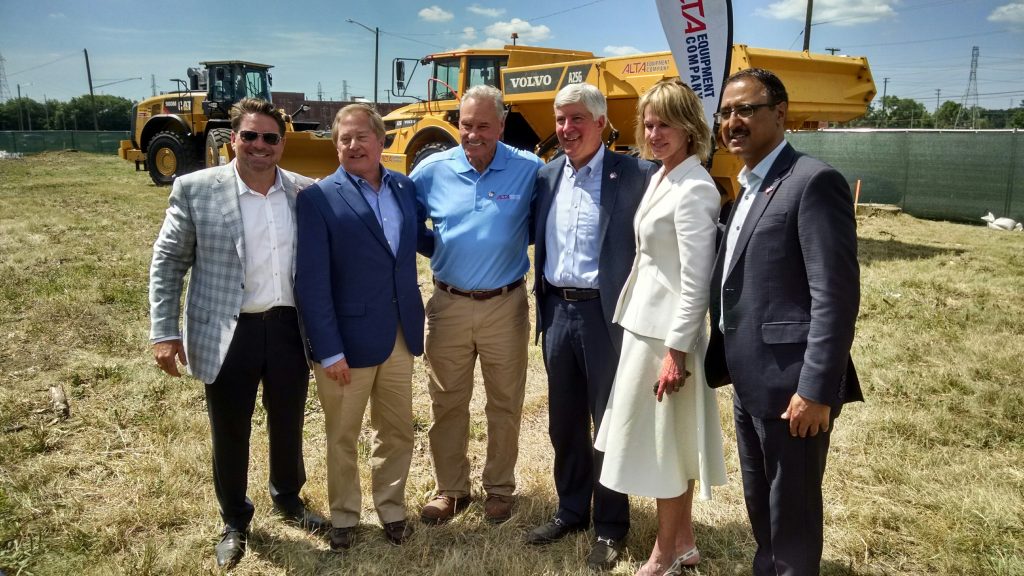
[
  {"x": 5, "y": 90},
  {"x": 971, "y": 95},
  {"x": 152, "y": 84}
]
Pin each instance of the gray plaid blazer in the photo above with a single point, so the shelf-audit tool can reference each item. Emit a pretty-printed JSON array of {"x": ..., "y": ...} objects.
[{"x": 202, "y": 231}]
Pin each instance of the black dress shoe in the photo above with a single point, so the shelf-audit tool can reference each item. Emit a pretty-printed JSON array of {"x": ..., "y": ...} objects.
[
  {"x": 605, "y": 553},
  {"x": 306, "y": 519},
  {"x": 341, "y": 538},
  {"x": 397, "y": 532},
  {"x": 231, "y": 548},
  {"x": 554, "y": 530}
]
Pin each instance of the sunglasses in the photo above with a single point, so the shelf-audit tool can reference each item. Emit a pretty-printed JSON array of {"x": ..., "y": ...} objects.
[
  {"x": 271, "y": 138},
  {"x": 743, "y": 111}
]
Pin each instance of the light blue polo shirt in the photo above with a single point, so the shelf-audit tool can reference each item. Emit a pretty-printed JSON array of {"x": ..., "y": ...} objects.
[{"x": 480, "y": 221}]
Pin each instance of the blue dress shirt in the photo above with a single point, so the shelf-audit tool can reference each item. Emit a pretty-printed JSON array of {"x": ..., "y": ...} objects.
[{"x": 572, "y": 233}]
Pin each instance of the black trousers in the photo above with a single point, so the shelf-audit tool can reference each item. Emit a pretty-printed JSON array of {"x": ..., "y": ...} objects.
[
  {"x": 782, "y": 487},
  {"x": 580, "y": 359},
  {"x": 266, "y": 347}
]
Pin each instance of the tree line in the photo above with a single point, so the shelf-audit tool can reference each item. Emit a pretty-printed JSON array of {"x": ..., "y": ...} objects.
[
  {"x": 896, "y": 112},
  {"x": 112, "y": 113}
]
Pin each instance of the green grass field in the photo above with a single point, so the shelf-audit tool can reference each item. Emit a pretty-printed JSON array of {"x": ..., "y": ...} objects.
[{"x": 926, "y": 477}]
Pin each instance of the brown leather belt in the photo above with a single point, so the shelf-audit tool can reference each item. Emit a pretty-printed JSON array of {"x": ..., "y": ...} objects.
[
  {"x": 572, "y": 294},
  {"x": 478, "y": 294}
]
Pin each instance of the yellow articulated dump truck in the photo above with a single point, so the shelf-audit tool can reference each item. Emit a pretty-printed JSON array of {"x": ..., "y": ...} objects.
[
  {"x": 822, "y": 88},
  {"x": 179, "y": 132}
]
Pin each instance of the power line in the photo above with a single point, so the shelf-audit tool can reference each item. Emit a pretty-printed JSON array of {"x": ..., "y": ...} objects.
[
  {"x": 931, "y": 39},
  {"x": 42, "y": 65}
]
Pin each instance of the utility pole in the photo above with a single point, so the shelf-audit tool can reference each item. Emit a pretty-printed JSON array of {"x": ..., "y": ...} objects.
[
  {"x": 833, "y": 51},
  {"x": 21, "y": 122},
  {"x": 319, "y": 92},
  {"x": 92, "y": 96},
  {"x": 376, "y": 54},
  {"x": 152, "y": 84},
  {"x": 938, "y": 93},
  {"x": 885, "y": 89},
  {"x": 807, "y": 26}
]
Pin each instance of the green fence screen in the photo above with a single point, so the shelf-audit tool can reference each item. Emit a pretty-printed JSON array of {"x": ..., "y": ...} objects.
[
  {"x": 946, "y": 175},
  {"x": 101, "y": 142}
]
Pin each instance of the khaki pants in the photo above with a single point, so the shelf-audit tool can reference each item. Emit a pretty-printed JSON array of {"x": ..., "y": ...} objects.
[
  {"x": 388, "y": 388},
  {"x": 460, "y": 329}
]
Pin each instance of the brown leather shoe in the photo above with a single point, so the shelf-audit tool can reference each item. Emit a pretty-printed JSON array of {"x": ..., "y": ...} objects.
[
  {"x": 442, "y": 508},
  {"x": 398, "y": 531},
  {"x": 498, "y": 508},
  {"x": 340, "y": 538}
]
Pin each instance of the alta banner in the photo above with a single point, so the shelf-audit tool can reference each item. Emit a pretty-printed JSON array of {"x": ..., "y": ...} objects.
[{"x": 699, "y": 34}]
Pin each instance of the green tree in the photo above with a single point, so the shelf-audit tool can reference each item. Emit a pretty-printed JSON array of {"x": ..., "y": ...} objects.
[
  {"x": 946, "y": 114},
  {"x": 112, "y": 113},
  {"x": 1017, "y": 120}
]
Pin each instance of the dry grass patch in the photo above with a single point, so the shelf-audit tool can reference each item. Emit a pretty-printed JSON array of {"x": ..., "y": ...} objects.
[{"x": 927, "y": 477}]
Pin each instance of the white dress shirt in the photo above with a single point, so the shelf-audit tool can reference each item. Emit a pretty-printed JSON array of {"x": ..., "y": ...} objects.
[
  {"x": 269, "y": 234},
  {"x": 751, "y": 181}
]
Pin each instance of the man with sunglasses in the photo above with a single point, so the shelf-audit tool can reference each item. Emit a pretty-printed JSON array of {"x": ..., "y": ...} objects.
[
  {"x": 233, "y": 226},
  {"x": 785, "y": 290}
]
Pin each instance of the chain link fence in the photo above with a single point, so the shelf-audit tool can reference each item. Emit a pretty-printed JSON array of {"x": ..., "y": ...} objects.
[
  {"x": 30, "y": 142},
  {"x": 956, "y": 175}
]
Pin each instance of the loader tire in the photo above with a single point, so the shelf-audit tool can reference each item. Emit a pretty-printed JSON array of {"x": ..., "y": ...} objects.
[
  {"x": 429, "y": 150},
  {"x": 216, "y": 138},
  {"x": 168, "y": 157}
]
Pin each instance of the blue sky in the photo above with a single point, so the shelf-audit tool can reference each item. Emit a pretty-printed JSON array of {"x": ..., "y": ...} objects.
[{"x": 920, "y": 45}]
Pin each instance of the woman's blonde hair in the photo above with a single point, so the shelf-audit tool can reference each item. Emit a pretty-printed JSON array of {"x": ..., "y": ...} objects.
[{"x": 678, "y": 106}]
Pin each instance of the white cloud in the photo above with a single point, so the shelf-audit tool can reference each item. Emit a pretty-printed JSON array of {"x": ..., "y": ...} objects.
[
  {"x": 469, "y": 33},
  {"x": 621, "y": 50},
  {"x": 527, "y": 32},
  {"x": 436, "y": 14},
  {"x": 1012, "y": 13},
  {"x": 488, "y": 12},
  {"x": 838, "y": 12},
  {"x": 489, "y": 43},
  {"x": 59, "y": 15}
]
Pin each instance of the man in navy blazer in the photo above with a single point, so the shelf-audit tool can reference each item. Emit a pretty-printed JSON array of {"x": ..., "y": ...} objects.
[
  {"x": 363, "y": 317},
  {"x": 785, "y": 291},
  {"x": 585, "y": 245}
]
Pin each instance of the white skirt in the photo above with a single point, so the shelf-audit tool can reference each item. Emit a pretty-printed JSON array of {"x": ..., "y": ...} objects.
[{"x": 655, "y": 448}]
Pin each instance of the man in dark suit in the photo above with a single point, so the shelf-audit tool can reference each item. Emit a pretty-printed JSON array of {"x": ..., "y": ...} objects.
[
  {"x": 584, "y": 249},
  {"x": 232, "y": 228},
  {"x": 363, "y": 314},
  {"x": 784, "y": 297}
]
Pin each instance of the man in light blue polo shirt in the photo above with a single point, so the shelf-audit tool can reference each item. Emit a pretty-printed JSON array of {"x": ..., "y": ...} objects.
[{"x": 478, "y": 197}]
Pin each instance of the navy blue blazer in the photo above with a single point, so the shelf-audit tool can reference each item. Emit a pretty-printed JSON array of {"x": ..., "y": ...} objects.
[
  {"x": 791, "y": 294},
  {"x": 624, "y": 180},
  {"x": 352, "y": 292}
]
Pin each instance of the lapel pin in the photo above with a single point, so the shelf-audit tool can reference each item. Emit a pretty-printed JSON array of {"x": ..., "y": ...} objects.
[{"x": 613, "y": 176}]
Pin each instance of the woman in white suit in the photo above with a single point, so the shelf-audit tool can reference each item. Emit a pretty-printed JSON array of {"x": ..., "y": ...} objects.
[{"x": 658, "y": 441}]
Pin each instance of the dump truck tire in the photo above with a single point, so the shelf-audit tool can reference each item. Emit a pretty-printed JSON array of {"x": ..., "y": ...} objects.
[
  {"x": 167, "y": 158},
  {"x": 429, "y": 150},
  {"x": 216, "y": 138}
]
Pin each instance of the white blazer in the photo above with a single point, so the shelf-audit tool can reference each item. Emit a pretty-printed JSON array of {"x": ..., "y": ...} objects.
[{"x": 666, "y": 295}]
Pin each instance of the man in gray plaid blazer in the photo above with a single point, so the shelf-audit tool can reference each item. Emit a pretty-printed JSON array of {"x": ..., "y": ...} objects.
[{"x": 233, "y": 226}]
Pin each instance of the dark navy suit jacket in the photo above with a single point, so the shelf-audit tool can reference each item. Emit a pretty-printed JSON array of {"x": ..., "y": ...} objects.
[
  {"x": 623, "y": 182},
  {"x": 353, "y": 293},
  {"x": 791, "y": 294}
]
